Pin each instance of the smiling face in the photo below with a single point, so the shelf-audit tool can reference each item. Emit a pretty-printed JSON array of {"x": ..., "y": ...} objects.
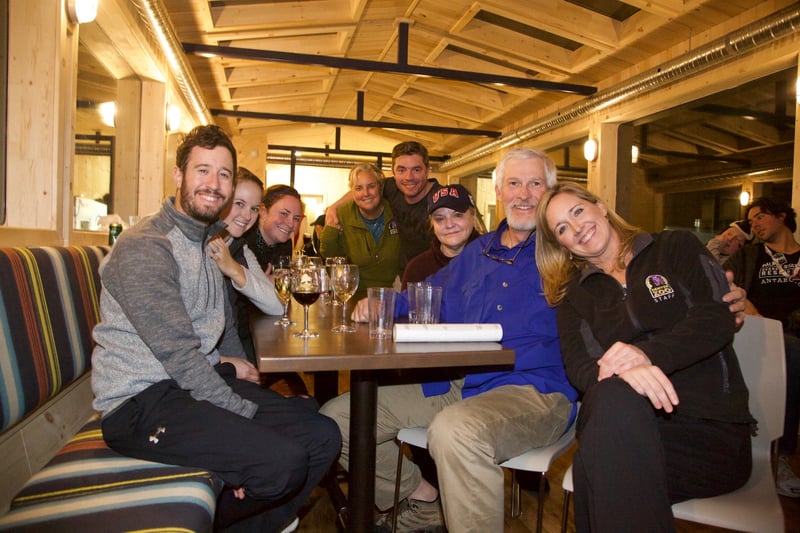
[
  {"x": 367, "y": 194},
  {"x": 279, "y": 223},
  {"x": 206, "y": 185},
  {"x": 411, "y": 175},
  {"x": 243, "y": 211},
  {"x": 582, "y": 228},
  {"x": 522, "y": 186},
  {"x": 453, "y": 229}
]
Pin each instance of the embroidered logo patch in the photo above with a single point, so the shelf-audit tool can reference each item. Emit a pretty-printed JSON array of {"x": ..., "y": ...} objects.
[{"x": 659, "y": 287}]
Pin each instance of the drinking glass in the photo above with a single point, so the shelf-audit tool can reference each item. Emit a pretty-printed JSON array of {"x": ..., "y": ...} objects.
[
  {"x": 283, "y": 287},
  {"x": 306, "y": 286},
  {"x": 344, "y": 280},
  {"x": 329, "y": 262}
]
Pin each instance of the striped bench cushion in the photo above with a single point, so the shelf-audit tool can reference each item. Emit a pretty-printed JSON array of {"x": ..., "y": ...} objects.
[
  {"x": 48, "y": 307},
  {"x": 90, "y": 487}
]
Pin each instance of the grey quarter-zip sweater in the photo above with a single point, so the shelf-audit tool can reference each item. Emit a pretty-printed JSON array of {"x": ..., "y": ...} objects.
[{"x": 163, "y": 315}]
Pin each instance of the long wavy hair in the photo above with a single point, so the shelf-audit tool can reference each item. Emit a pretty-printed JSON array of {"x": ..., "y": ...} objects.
[{"x": 557, "y": 265}]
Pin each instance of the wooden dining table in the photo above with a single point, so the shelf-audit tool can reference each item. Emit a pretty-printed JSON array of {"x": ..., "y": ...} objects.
[{"x": 365, "y": 358}]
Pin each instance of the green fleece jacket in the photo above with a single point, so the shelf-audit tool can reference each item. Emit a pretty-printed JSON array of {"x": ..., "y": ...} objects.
[{"x": 378, "y": 263}]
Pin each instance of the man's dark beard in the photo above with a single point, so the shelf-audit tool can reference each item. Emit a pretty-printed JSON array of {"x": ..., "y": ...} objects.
[{"x": 187, "y": 202}]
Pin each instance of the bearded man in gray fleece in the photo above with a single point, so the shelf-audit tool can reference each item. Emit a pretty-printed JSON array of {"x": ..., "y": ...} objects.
[{"x": 170, "y": 376}]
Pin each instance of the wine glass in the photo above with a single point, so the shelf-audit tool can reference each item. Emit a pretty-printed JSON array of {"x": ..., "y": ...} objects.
[
  {"x": 283, "y": 288},
  {"x": 306, "y": 286},
  {"x": 319, "y": 264},
  {"x": 329, "y": 262},
  {"x": 344, "y": 280}
]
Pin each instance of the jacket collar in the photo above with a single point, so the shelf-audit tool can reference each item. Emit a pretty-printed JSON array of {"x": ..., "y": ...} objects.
[{"x": 194, "y": 230}]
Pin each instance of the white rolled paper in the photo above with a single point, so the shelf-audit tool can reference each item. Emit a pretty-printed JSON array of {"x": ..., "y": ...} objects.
[{"x": 448, "y": 332}]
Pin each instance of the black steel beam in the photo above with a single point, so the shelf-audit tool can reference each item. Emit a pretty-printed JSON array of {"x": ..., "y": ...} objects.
[
  {"x": 381, "y": 66},
  {"x": 351, "y": 122},
  {"x": 339, "y": 151}
]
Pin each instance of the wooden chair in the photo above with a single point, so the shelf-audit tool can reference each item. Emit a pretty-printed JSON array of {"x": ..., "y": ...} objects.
[
  {"x": 534, "y": 460},
  {"x": 754, "y": 507}
]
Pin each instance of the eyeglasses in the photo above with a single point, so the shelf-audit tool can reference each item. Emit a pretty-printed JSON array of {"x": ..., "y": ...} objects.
[{"x": 505, "y": 260}]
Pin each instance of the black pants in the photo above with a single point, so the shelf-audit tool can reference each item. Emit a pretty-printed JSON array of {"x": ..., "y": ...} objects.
[
  {"x": 633, "y": 462},
  {"x": 278, "y": 456}
]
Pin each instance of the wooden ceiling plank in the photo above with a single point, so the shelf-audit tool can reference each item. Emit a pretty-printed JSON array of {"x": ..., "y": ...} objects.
[
  {"x": 306, "y": 11},
  {"x": 668, "y": 9},
  {"x": 561, "y": 18},
  {"x": 752, "y": 129}
]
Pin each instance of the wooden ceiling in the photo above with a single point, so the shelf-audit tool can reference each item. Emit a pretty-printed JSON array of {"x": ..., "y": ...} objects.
[{"x": 585, "y": 42}]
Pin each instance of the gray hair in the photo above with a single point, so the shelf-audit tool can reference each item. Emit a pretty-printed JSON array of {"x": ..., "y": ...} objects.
[{"x": 526, "y": 153}]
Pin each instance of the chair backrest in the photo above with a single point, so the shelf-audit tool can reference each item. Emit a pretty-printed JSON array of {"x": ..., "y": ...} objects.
[{"x": 761, "y": 353}]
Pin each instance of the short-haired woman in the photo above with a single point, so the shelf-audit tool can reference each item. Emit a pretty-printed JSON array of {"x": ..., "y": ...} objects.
[{"x": 369, "y": 235}]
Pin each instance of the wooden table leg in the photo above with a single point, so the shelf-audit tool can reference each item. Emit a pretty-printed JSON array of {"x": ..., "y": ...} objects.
[{"x": 363, "y": 415}]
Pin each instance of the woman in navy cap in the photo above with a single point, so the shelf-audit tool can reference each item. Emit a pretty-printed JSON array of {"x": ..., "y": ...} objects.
[{"x": 454, "y": 218}]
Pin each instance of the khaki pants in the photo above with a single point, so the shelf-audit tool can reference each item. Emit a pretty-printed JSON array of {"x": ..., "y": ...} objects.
[{"x": 467, "y": 439}]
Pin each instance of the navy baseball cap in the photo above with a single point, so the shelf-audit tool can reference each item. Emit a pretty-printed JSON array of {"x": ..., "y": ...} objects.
[{"x": 456, "y": 197}]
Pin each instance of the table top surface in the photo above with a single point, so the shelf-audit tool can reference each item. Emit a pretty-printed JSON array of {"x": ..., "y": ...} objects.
[{"x": 280, "y": 351}]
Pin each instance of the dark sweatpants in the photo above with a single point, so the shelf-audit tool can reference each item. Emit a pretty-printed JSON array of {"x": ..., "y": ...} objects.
[
  {"x": 278, "y": 456},
  {"x": 633, "y": 462}
]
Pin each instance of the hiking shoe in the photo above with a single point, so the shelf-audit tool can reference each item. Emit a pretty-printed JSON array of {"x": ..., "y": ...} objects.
[
  {"x": 414, "y": 516},
  {"x": 290, "y": 526},
  {"x": 788, "y": 483}
]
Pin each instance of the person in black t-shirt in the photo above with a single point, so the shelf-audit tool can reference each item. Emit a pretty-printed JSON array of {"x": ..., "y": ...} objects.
[{"x": 770, "y": 273}]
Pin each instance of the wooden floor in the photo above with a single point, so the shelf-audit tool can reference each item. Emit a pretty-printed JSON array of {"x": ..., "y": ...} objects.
[{"x": 320, "y": 517}]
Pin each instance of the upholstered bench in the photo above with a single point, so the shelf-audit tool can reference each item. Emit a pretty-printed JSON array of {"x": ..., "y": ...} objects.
[{"x": 48, "y": 307}]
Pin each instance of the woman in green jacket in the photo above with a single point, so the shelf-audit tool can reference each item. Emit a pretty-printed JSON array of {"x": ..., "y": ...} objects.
[{"x": 368, "y": 236}]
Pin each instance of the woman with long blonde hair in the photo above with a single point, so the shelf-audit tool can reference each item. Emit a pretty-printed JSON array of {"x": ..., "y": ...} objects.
[{"x": 647, "y": 339}]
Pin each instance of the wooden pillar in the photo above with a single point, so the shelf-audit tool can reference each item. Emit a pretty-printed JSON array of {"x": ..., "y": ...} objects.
[
  {"x": 251, "y": 153},
  {"x": 613, "y": 164},
  {"x": 42, "y": 59},
  {"x": 139, "y": 152}
]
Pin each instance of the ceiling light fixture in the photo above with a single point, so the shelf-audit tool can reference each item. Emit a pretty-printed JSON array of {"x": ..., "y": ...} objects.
[
  {"x": 590, "y": 150},
  {"x": 744, "y": 198},
  {"x": 108, "y": 112},
  {"x": 81, "y": 11},
  {"x": 174, "y": 116}
]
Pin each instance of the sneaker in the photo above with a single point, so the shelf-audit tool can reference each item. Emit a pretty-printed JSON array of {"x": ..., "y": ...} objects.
[
  {"x": 414, "y": 516},
  {"x": 291, "y": 526},
  {"x": 788, "y": 483}
]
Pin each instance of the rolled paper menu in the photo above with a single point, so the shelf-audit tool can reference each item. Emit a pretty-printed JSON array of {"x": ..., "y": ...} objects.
[{"x": 448, "y": 332}]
